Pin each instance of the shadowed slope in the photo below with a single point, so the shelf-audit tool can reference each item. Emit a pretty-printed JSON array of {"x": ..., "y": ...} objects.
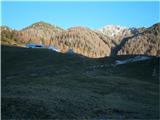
[{"x": 42, "y": 84}]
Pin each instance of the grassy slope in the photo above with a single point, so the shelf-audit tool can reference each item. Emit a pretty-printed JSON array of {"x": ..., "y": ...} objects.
[{"x": 38, "y": 83}]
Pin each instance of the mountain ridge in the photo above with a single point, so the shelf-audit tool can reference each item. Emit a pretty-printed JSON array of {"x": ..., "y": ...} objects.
[{"x": 83, "y": 40}]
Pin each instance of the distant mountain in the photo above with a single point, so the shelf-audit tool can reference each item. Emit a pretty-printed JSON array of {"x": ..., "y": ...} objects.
[
  {"x": 118, "y": 33},
  {"x": 147, "y": 42},
  {"x": 41, "y": 32},
  {"x": 109, "y": 40}
]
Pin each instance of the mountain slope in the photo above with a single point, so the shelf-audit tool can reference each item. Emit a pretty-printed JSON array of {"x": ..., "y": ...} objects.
[
  {"x": 82, "y": 41},
  {"x": 11, "y": 37},
  {"x": 147, "y": 42}
]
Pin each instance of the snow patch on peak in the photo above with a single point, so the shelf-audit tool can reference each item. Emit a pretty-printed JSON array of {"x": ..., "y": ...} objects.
[
  {"x": 117, "y": 32},
  {"x": 115, "y": 27}
]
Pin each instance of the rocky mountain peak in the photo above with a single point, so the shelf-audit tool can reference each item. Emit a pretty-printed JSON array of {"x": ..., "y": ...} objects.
[{"x": 42, "y": 25}]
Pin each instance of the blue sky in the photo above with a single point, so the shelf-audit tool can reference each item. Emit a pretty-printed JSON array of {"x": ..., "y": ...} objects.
[{"x": 18, "y": 15}]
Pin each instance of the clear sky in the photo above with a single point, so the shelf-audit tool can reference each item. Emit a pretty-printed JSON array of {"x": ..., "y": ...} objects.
[{"x": 18, "y": 15}]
